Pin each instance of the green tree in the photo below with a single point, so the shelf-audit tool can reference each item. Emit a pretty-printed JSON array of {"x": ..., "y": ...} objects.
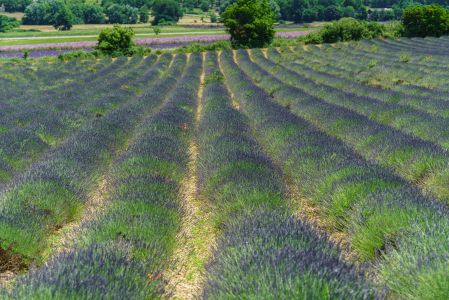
[
  {"x": 93, "y": 14},
  {"x": 166, "y": 11},
  {"x": 15, "y": 5},
  {"x": 63, "y": 18},
  {"x": 250, "y": 23},
  {"x": 7, "y": 23},
  {"x": 144, "y": 14},
  {"x": 122, "y": 14},
  {"x": 116, "y": 41},
  {"x": 425, "y": 20}
]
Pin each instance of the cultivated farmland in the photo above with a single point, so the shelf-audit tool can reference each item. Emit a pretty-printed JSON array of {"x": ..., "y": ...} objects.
[{"x": 308, "y": 172}]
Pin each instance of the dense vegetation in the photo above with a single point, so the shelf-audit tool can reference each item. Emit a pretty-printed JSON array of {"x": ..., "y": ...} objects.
[
  {"x": 426, "y": 20},
  {"x": 250, "y": 23},
  {"x": 302, "y": 172},
  {"x": 8, "y": 23},
  {"x": 286, "y": 10}
]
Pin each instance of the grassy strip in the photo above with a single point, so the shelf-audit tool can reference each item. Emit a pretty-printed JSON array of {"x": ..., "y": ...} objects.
[
  {"x": 122, "y": 253},
  {"x": 51, "y": 193},
  {"x": 389, "y": 223},
  {"x": 420, "y": 162},
  {"x": 263, "y": 251}
]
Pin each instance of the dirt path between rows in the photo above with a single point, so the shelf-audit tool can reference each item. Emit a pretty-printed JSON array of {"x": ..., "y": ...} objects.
[{"x": 197, "y": 238}]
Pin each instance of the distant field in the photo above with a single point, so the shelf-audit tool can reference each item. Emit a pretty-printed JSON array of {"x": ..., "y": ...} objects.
[{"x": 310, "y": 172}]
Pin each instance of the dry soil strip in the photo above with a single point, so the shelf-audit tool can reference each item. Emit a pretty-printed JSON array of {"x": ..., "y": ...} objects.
[{"x": 197, "y": 238}]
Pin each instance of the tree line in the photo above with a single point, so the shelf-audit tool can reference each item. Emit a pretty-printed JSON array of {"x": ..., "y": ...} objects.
[{"x": 44, "y": 12}]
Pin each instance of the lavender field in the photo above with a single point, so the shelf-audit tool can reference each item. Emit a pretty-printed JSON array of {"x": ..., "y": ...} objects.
[{"x": 307, "y": 172}]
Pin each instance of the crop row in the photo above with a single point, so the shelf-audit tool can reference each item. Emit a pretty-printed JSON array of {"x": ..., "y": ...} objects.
[
  {"x": 40, "y": 127},
  {"x": 123, "y": 251},
  {"x": 365, "y": 125},
  {"x": 389, "y": 224},
  {"x": 426, "y": 71},
  {"x": 263, "y": 250},
  {"x": 51, "y": 193},
  {"x": 390, "y": 73},
  {"x": 339, "y": 73}
]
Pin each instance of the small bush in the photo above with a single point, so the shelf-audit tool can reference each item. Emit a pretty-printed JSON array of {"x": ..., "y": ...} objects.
[
  {"x": 7, "y": 23},
  {"x": 116, "y": 41},
  {"x": 346, "y": 29},
  {"x": 425, "y": 20},
  {"x": 80, "y": 54}
]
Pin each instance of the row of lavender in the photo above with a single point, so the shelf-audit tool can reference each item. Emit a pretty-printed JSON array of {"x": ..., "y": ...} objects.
[
  {"x": 389, "y": 223},
  {"x": 264, "y": 251},
  {"x": 32, "y": 116},
  {"x": 123, "y": 250},
  {"x": 395, "y": 135},
  {"x": 52, "y": 191}
]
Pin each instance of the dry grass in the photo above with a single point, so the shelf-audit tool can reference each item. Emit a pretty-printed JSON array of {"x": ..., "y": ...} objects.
[{"x": 16, "y": 15}]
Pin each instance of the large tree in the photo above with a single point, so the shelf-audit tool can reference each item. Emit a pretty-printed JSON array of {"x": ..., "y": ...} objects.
[
  {"x": 250, "y": 23},
  {"x": 166, "y": 11}
]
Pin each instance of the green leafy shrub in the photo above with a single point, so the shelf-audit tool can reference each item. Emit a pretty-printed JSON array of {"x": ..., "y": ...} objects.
[
  {"x": 116, "y": 41},
  {"x": 166, "y": 12},
  {"x": 426, "y": 20},
  {"x": 346, "y": 29},
  {"x": 7, "y": 24},
  {"x": 250, "y": 23},
  {"x": 79, "y": 54},
  {"x": 156, "y": 29}
]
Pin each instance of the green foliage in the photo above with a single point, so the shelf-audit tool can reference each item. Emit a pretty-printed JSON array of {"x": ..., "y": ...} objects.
[
  {"x": 50, "y": 12},
  {"x": 79, "y": 55},
  {"x": 250, "y": 23},
  {"x": 166, "y": 11},
  {"x": 63, "y": 18},
  {"x": 116, "y": 41},
  {"x": 26, "y": 53},
  {"x": 93, "y": 14},
  {"x": 7, "y": 24},
  {"x": 144, "y": 14},
  {"x": 346, "y": 29},
  {"x": 122, "y": 14},
  {"x": 156, "y": 29},
  {"x": 426, "y": 20},
  {"x": 221, "y": 45},
  {"x": 15, "y": 5}
]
